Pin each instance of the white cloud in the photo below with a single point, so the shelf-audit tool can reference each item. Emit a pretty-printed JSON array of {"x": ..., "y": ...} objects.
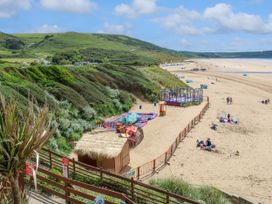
[
  {"x": 228, "y": 20},
  {"x": 220, "y": 18},
  {"x": 181, "y": 21},
  {"x": 74, "y": 6},
  {"x": 45, "y": 28},
  {"x": 137, "y": 8},
  {"x": 116, "y": 29},
  {"x": 9, "y": 8}
]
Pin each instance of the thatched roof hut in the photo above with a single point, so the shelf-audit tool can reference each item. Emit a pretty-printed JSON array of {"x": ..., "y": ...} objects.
[{"x": 103, "y": 148}]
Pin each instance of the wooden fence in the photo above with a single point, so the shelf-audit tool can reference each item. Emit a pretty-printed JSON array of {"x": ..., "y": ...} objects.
[
  {"x": 134, "y": 190},
  {"x": 153, "y": 166},
  {"x": 76, "y": 192}
]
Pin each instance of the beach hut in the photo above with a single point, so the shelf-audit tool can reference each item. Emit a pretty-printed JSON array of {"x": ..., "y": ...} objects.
[{"x": 103, "y": 149}]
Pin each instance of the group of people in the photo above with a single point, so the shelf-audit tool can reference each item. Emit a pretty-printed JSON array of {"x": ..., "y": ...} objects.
[
  {"x": 207, "y": 145},
  {"x": 228, "y": 119},
  {"x": 229, "y": 100},
  {"x": 267, "y": 101}
]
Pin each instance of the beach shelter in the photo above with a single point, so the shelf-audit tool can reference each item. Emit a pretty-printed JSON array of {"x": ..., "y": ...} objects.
[{"x": 103, "y": 149}]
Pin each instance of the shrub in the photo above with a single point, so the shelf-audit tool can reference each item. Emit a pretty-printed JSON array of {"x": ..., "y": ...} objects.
[{"x": 207, "y": 194}]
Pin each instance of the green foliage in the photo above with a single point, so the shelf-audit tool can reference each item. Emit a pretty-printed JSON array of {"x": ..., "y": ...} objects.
[
  {"x": 116, "y": 57},
  {"x": 14, "y": 44},
  {"x": 20, "y": 135},
  {"x": 162, "y": 77},
  {"x": 81, "y": 95},
  {"x": 207, "y": 194},
  {"x": 104, "y": 48},
  {"x": 66, "y": 57}
]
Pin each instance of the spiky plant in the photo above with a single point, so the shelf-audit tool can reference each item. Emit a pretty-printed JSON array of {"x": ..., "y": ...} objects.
[{"x": 20, "y": 135}]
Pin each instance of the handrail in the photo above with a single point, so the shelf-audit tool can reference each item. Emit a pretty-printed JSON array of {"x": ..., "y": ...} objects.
[
  {"x": 68, "y": 185},
  {"x": 131, "y": 186}
]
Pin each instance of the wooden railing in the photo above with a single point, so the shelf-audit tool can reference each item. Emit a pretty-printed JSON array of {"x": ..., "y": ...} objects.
[
  {"x": 153, "y": 166},
  {"x": 135, "y": 190},
  {"x": 76, "y": 192}
]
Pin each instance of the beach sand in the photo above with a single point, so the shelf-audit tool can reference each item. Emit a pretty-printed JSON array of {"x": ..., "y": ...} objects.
[
  {"x": 250, "y": 174},
  {"x": 161, "y": 132}
]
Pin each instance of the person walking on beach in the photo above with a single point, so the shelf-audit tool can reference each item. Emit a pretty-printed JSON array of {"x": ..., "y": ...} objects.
[
  {"x": 230, "y": 100},
  {"x": 228, "y": 117}
]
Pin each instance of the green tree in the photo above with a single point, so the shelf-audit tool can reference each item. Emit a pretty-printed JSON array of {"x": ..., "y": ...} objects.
[{"x": 20, "y": 135}]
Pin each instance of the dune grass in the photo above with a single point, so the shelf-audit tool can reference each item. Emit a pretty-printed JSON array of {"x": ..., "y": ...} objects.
[
  {"x": 162, "y": 77},
  {"x": 204, "y": 194}
]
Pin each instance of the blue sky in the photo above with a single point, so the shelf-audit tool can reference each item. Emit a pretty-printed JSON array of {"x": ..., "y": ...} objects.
[{"x": 193, "y": 25}]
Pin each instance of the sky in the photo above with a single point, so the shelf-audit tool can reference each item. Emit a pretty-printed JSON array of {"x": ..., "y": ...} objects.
[{"x": 191, "y": 25}]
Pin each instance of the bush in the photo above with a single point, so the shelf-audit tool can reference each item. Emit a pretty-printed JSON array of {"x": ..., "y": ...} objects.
[{"x": 207, "y": 194}]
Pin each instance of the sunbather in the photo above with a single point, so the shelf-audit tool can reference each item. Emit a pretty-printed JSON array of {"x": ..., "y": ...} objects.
[
  {"x": 213, "y": 126},
  {"x": 205, "y": 146}
]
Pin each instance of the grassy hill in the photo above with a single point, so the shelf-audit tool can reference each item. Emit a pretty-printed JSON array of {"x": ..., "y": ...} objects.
[
  {"x": 122, "y": 68},
  {"x": 45, "y": 45}
]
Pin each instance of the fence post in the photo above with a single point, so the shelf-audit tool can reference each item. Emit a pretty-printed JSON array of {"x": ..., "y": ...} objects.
[
  {"x": 67, "y": 194},
  {"x": 74, "y": 165},
  {"x": 154, "y": 165},
  {"x": 132, "y": 188},
  {"x": 138, "y": 173},
  {"x": 165, "y": 157},
  {"x": 180, "y": 136},
  {"x": 167, "y": 198},
  {"x": 101, "y": 173},
  {"x": 50, "y": 160}
]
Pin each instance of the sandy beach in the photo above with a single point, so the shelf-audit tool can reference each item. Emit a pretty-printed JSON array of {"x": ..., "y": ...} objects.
[
  {"x": 250, "y": 173},
  {"x": 161, "y": 132}
]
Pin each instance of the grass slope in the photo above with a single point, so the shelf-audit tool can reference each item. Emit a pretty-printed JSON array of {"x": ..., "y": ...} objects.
[
  {"x": 43, "y": 45},
  {"x": 81, "y": 95},
  {"x": 203, "y": 194}
]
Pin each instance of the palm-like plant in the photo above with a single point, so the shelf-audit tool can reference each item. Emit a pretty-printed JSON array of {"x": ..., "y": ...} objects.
[{"x": 20, "y": 136}]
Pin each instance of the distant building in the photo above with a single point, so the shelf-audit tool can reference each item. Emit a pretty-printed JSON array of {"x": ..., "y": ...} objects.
[
  {"x": 42, "y": 61},
  {"x": 81, "y": 63}
]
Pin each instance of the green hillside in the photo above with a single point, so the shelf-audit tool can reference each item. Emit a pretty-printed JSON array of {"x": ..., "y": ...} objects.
[
  {"x": 119, "y": 70},
  {"x": 46, "y": 45}
]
